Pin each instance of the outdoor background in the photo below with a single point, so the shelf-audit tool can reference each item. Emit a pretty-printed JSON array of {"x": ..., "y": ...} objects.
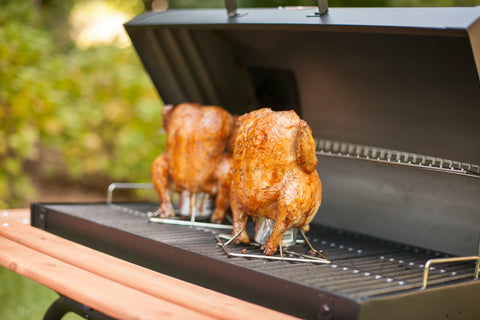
[{"x": 78, "y": 111}]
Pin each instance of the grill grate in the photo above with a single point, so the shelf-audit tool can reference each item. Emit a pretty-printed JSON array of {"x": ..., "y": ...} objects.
[{"x": 362, "y": 267}]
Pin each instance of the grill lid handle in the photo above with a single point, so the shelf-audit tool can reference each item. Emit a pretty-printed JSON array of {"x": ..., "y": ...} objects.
[
  {"x": 231, "y": 6},
  {"x": 322, "y": 7}
]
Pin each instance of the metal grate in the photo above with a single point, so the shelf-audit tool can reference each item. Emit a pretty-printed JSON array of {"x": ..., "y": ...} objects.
[
  {"x": 362, "y": 267},
  {"x": 339, "y": 149}
]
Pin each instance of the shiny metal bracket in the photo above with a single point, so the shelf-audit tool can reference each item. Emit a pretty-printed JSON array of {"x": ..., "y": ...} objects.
[
  {"x": 330, "y": 148},
  {"x": 231, "y": 6},
  {"x": 125, "y": 185},
  {"x": 190, "y": 223},
  {"x": 305, "y": 258},
  {"x": 322, "y": 7},
  {"x": 449, "y": 260}
]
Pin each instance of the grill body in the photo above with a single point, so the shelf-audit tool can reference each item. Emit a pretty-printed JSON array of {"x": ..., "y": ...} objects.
[
  {"x": 369, "y": 278},
  {"x": 393, "y": 99}
]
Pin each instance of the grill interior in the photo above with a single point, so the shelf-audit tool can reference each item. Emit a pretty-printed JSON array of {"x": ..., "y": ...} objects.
[{"x": 362, "y": 267}]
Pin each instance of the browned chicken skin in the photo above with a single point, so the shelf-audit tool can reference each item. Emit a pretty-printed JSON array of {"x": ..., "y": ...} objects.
[
  {"x": 274, "y": 174},
  {"x": 195, "y": 159}
]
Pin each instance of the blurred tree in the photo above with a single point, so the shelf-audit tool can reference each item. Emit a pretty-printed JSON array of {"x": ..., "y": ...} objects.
[
  {"x": 66, "y": 112},
  {"x": 74, "y": 112}
]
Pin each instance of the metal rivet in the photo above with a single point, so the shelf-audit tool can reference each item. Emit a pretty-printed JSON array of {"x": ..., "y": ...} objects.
[
  {"x": 324, "y": 309},
  {"x": 5, "y": 224}
]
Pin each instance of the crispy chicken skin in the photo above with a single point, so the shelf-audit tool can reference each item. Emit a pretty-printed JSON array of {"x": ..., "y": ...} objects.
[
  {"x": 274, "y": 174},
  {"x": 195, "y": 157}
]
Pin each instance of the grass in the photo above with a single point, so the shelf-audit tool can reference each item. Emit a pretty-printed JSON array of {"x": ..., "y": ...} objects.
[{"x": 24, "y": 299}]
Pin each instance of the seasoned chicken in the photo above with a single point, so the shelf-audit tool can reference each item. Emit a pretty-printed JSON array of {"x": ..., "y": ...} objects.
[
  {"x": 274, "y": 174},
  {"x": 195, "y": 159}
]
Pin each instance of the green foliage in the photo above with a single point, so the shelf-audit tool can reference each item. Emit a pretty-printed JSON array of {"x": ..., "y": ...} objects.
[
  {"x": 13, "y": 285},
  {"x": 72, "y": 113},
  {"x": 22, "y": 298}
]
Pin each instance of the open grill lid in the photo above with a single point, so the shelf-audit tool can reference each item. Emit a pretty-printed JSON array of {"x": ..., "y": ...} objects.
[
  {"x": 390, "y": 77},
  {"x": 393, "y": 78}
]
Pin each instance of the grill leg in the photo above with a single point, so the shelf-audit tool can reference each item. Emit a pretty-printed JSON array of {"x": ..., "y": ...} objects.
[{"x": 64, "y": 305}]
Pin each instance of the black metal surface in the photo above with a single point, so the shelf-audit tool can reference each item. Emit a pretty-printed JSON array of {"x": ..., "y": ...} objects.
[
  {"x": 363, "y": 269},
  {"x": 64, "y": 305}
]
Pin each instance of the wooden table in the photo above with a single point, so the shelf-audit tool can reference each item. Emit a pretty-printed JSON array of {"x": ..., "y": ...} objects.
[{"x": 109, "y": 285}]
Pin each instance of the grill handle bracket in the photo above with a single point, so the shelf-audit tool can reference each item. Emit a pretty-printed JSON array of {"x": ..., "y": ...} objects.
[
  {"x": 449, "y": 260},
  {"x": 322, "y": 7},
  {"x": 125, "y": 185},
  {"x": 231, "y": 6}
]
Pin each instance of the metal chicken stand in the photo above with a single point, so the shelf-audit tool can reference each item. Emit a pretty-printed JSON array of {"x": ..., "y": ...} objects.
[{"x": 312, "y": 256}]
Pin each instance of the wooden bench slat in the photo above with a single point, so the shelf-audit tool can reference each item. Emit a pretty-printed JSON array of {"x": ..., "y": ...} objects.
[
  {"x": 185, "y": 294},
  {"x": 109, "y": 297}
]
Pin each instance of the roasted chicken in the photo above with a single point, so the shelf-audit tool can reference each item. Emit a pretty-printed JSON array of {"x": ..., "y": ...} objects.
[
  {"x": 274, "y": 174},
  {"x": 195, "y": 158}
]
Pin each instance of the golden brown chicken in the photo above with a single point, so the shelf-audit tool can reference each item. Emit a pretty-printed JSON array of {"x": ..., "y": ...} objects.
[
  {"x": 195, "y": 159},
  {"x": 274, "y": 174}
]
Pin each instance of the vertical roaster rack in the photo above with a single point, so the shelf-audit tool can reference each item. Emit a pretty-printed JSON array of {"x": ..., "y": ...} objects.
[{"x": 297, "y": 250}]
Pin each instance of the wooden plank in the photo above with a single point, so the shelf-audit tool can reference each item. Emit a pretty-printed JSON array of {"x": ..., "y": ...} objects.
[
  {"x": 19, "y": 215},
  {"x": 109, "y": 297},
  {"x": 184, "y": 294}
]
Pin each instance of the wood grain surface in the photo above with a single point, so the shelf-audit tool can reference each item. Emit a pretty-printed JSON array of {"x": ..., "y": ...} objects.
[{"x": 110, "y": 285}]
